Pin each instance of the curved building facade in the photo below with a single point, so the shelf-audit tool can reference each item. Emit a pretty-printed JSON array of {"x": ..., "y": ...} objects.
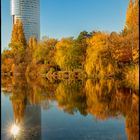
[{"x": 28, "y": 11}]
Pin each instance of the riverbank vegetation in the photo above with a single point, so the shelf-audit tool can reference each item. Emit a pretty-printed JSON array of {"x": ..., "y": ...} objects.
[{"x": 95, "y": 54}]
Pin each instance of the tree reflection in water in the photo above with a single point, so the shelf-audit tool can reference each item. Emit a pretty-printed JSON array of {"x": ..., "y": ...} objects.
[{"x": 101, "y": 98}]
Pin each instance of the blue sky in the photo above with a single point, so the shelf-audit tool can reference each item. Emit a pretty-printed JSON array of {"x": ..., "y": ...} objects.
[{"x": 64, "y": 18}]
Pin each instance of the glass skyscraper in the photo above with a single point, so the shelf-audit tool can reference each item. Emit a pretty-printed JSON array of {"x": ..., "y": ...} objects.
[{"x": 28, "y": 11}]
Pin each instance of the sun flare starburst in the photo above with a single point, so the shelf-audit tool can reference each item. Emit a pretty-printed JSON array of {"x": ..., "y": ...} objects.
[{"x": 15, "y": 129}]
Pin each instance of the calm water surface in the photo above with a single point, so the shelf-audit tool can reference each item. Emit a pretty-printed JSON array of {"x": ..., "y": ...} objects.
[{"x": 69, "y": 110}]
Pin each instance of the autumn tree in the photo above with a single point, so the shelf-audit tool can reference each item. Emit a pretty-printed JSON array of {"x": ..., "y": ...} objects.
[
  {"x": 99, "y": 58},
  {"x": 135, "y": 34},
  {"x": 61, "y": 52},
  {"x": 32, "y": 46},
  {"x": 44, "y": 52},
  {"x": 120, "y": 48},
  {"x": 70, "y": 54},
  {"x": 7, "y": 61},
  {"x": 18, "y": 42},
  {"x": 82, "y": 45},
  {"x": 132, "y": 28},
  {"x": 6, "y": 54},
  {"x": 129, "y": 16}
]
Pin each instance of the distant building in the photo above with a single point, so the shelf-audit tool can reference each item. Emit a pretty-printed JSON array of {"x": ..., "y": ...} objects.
[
  {"x": 28, "y": 11},
  {"x": 32, "y": 117}
]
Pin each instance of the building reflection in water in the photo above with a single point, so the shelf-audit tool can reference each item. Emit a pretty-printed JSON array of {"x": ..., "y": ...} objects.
[
  {"x": 32, "y": 119},
  {"x": 26, "y": 115},
  {"x": 102, "y": 99}
]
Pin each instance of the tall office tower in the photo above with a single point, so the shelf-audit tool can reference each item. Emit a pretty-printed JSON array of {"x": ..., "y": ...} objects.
[{"x": 28, "y": 11}]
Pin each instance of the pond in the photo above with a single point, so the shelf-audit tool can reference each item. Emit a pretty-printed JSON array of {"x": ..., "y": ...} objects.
[{"x": 68, "y": 110}]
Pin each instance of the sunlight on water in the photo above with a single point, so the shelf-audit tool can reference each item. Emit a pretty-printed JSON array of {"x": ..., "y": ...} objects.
[
  {"x": 15, "y": 130},
  {"x": 74, "y": 110}
]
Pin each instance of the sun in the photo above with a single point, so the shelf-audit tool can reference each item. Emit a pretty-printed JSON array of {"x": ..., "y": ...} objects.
[{"x": 15, "y": 129}]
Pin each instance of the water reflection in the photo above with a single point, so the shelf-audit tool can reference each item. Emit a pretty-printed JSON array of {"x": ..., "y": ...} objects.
[
  {"x": 102, "y": 99},
  {"x": 26, "y": 115},
  {"x": 71, "y": 97}
]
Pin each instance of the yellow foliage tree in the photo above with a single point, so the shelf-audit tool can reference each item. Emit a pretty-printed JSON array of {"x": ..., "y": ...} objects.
[
  {"x": 61, "y": 51},
  {"x": 129, "y": 16},
  {"x": 18, "y": 41},
  {"x": 18, "y": 33},
  {"x": 32, "y": 43},
  {"x": 132, "y": 28},
  {"x": 98, "y": 54}
]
